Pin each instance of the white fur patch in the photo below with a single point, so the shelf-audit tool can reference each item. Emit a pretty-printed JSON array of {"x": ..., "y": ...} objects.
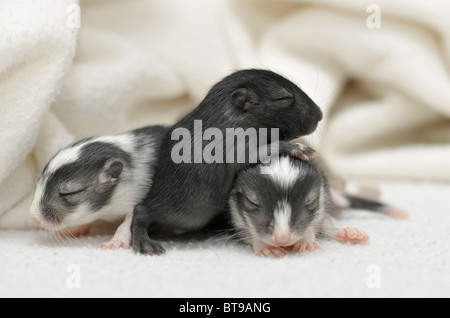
[
  {"x": 282, "y": 171},
  {"x": 64, "y": 157},
  {"x": 34, "y": 208},
  {"x": 282, "y": 217},
  {"x": 124, "y": 141}
]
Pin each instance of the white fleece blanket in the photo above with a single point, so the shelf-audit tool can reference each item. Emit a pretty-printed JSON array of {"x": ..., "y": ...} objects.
[
  {"x": 404, "y": 258},
  {"x": 385, "y": 91}
]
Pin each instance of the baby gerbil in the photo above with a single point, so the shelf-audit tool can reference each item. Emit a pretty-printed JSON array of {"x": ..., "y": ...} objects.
[
  {"x": 187, "y": 196},
  {"x": 284, "y": 207},
  {"x": 99, "y": 178}
]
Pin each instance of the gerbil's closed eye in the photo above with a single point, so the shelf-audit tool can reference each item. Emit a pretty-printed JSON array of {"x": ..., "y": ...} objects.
[
  {"x": 66, "y": 194},
  {"x": 251, "y": 201},
  {"x": 286, "y": 98},
  {"x": 72, "y": 197},
  {"x": 283, "y": 97},
  {"x": 71, "y": 188}
]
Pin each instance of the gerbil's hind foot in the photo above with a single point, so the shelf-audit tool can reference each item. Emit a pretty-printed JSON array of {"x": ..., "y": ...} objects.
[
  {"x": 302, "y": 152},
  {"x": 272, "y": 251},
  {"x": 303, "y": 245},
  {"x": 144, "y": 245},
  {"x": 351, "y": 235}
]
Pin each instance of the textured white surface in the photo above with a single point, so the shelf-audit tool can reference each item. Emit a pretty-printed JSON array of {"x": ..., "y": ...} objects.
[{"x": 412, "y": 257}]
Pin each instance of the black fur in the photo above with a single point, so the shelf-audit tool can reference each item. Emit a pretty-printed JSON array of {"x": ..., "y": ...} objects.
[
  {"x": 365, "y": 204},
  {"x": 187, "y": 196}
]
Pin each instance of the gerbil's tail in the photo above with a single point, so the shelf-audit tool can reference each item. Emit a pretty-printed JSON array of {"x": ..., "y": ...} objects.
[{"x": 346, "y": 201}]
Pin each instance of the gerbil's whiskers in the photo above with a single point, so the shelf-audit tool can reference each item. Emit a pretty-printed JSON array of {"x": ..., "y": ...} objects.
[
  {"x": 70, "y": 236},
  {"x": 317, "y": 83},
  {"x": 319, "y": 134},
  {"x": 55, "y": 239},
  {"x": 224, "y": 236}
]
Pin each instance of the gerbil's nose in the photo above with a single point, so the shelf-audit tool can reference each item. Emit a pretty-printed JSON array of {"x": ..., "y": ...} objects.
[
  {"x": 281, "y": 239},
  {"x": 320, "y": 115},
  {"x": 35, "y": 219}
]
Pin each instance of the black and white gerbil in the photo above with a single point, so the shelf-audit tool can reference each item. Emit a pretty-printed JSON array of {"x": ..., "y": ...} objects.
[
  {"x": 99, "y": 178},
  {"x": 284, "y": 207},
  {"x": 186, "y": 196}
]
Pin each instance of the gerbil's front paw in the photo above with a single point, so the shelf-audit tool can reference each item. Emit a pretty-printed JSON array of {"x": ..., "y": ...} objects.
[
  {"x": 302, "y": 152},
  {"x": 272, "y": 251},
  {"x": 351, "y": 235},
  {"x": 303, "y": 245},
  {"x": 146, "y": 246},
  {"x": 114, "y": 245}
]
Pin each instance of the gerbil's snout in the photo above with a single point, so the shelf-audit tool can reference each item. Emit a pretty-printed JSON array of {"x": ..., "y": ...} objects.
[
  {"x": 51, "y": 214},
  {"x": 281, "y": 239},
  {"x": 47, "y": 217},
  {"x": 319, "y": 115},
  {"x": 280, "y": 229}
]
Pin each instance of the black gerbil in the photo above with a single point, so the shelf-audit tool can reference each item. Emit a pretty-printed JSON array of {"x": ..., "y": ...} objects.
[{"x": 186, "y": 196}]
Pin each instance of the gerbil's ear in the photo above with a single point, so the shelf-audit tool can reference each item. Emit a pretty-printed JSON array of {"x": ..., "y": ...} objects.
[
  {"x": 241, "y": 98},
  {"x": 111, "y": 171}
]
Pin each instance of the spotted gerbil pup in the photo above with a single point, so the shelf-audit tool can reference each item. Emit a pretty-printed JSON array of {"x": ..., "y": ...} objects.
[
  {"x": 284, "y": 207},
  {"x": 187, "y": 196},
  {"x": 99, "y": 178}
]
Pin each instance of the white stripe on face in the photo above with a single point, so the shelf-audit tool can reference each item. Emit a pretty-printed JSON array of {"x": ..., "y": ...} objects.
[
  {"x": 282, "y": 220},
  {"x": 282, "y": 172},
  {"x": 64, "y": 157},
  {"x": 123, "y": 141}
]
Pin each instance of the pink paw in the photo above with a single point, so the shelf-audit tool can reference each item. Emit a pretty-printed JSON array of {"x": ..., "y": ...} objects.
[
  {"x": 303, "y": 152},
  {"x": 272, "y": 251},
  {"x": 351, "y": 235},
  {"x": 114, "y": 245},
  {"x": 303, "y": 245}
]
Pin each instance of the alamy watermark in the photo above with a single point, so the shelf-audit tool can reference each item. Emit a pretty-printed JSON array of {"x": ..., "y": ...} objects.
[
  {"x": 374, "y": 19},
  {"x": 234, "y": 147},
  {"x": 73, "y": 20},
  {"x": 374, "y": 278},
  {"x": 73, "y": 280}
]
